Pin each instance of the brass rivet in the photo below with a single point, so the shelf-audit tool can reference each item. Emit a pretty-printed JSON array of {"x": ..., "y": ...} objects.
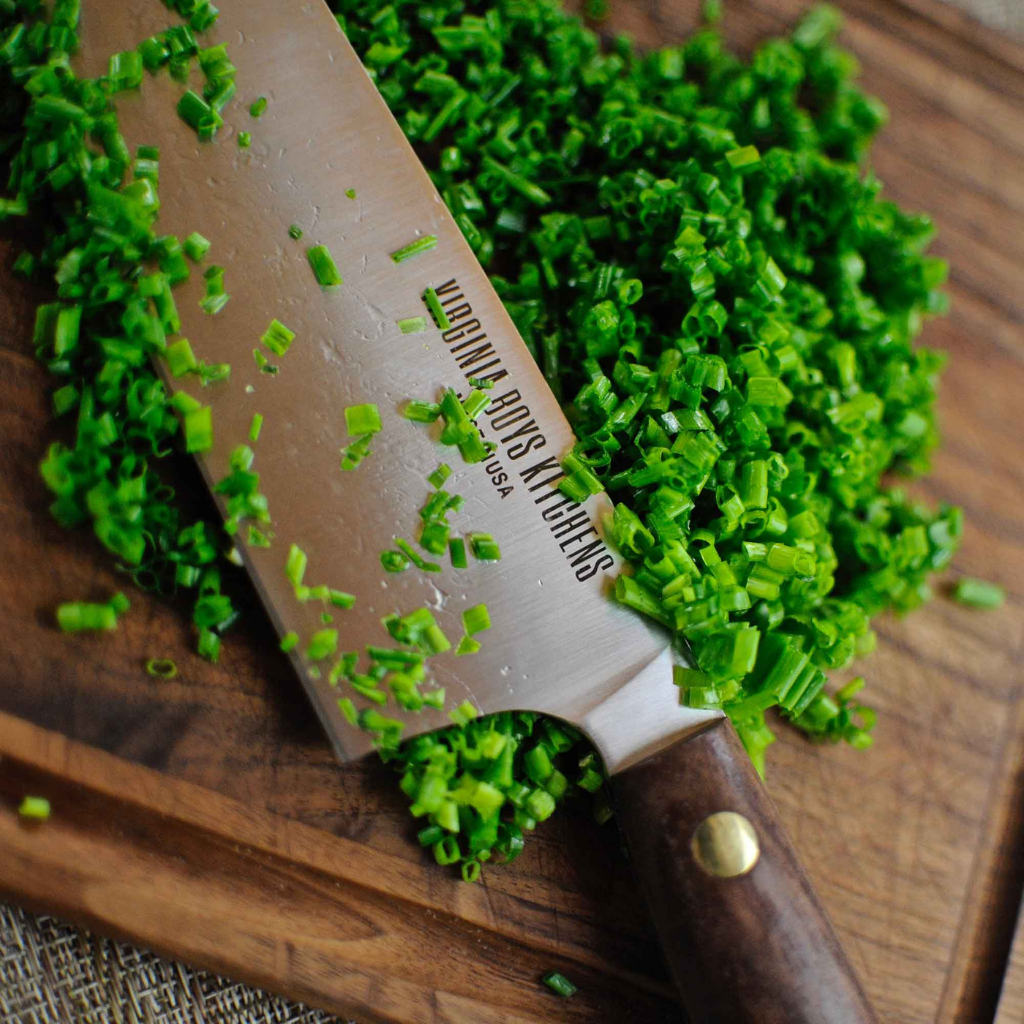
[{"x": 725, "y": 845}]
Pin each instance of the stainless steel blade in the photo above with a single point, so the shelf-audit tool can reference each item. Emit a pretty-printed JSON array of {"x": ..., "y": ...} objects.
[{"x": 558, "y": 643}]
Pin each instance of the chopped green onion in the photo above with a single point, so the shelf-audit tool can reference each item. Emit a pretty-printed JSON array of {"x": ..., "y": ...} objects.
[
  {"x": 255, "y": 427},
  {"x": 258, "y": 107},
  {"x": 180, "y": 358},
  {"x": 195, "y": 246},
  {"x": 278, "y": 338},
  {"x": 289, "y": 641},
  {"x": 978, "y": 593},
  {"x": 484, "y": 547},
  {"x": 362, "y": 419},
  {"x": 34, "y": 808},
  {"x": 410, "y": 552},
  {"x": 421, "y": 412},
  {"x": 457, "y": 552},
  {"x": 439, "y": 475},
  {"x": 423, "y": 244},
  {"x": 325, "y": 270},
  {"x": 559, "y": 984},
  {"x": 413, "y": 325},
  {"x": 295, "y": 232},
  {"x": 164, "y": 668},
  {"x": 198, "y": 427},
  {"x": 467, "y": 645},
  {"x": 436, "y": 309},
  {"x": 244, "y": 140},
  {"x": 350, "y": 192},
  {"x": 476, "y": 619}
]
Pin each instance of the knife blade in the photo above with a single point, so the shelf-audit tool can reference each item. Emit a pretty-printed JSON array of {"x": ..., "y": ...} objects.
[{"x": 558, "y": 644}]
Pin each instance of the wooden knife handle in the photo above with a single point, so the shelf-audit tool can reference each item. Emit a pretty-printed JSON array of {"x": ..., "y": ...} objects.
[{"x": 754, "y": 948}]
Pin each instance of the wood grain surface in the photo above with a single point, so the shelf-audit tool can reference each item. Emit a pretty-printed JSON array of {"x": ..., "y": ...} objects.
[{"x": 205, "y": 816}]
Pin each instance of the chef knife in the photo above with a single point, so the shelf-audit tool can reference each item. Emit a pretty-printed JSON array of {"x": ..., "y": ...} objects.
[{"x": 745, "y": 936}]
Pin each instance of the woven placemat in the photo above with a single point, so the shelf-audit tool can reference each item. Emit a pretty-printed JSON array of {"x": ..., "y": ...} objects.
[{"x": 52, "y": 973}]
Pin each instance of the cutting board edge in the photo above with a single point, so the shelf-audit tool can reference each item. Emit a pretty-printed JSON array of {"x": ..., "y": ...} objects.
[{"x": 297, "y": 856}]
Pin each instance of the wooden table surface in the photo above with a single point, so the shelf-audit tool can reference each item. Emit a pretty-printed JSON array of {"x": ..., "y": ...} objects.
[{"x": 205, "y": 817}]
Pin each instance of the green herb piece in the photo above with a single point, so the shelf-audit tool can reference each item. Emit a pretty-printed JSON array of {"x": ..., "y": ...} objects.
[
  {"x": 278, "y": 338},
  {"x": 295, "y": 232},
  {"x": 163, "y": 668},
  {"x": 559, "y": 984},
  {"x": 322, "y": 644},
  {"x": 350, "y": 192},
  {"x": 476, "y": 619},
  {"x": 195, "y": 246},
  {"x": 423, "y": 244},
  {"x": 413, "y": 325},
  {"x": 421, "y": 412},
  {"x": 978, "y": 593},
  {"x": 439, "y": 475},
  {"x": 289, "y": 641},
  {"x": 394, "y": 561},
  {"x": 436, "y": 309},
  {"x": 324, "y": 268},
  {"x": 362, "y": 419},
  {"x": 467, "y": 645},
  {"x": 244, "y": 140},
  {"x": 457, "y": 553},
  {"x": 199, "y": 115},
  {"x": 34, "y": 808},
  {"x": 198, "y": 426},
  {"x": 258, "y": 107},
  {"x": 180, "y": 358},
  {"x": 255, "y": 427},
  {"x": 353, "y": 454},
  {"x": 484, "y": 547},
  {"x": 410, "y": 552},
  {"x": 82, "y": 616},
  {"x": 463, "y": 714}
]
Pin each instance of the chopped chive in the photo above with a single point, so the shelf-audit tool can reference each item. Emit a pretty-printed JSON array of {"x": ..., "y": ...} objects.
[
  {"x": 198, "y": 427},
  {"x": 439, "y": 475},
  {"x": 255, "y": 427},
  {"x": 164, "y": 668},
  {"x": 476, "y": 619},
  {"x": 393, "y": 561},
  {"x": 421, "y": 245},
  {"x": 341, "y": 599},
  {"x": 289, "y": 641},
  {"x": 978, "y": 593},
  {"x": 350, "y": 192},
  {"x": 463, "y": 714},
  {"x": 348, "y": 709},
  {"x": 295, "y": 232},
  {"x": 244, "y": 140},
  {"x": 484, "y": 547},
  {"x": 324, "y": 268},
  {"x": 195, "y": 246},
  {"x": 322, "y": 644},
  {"x": 436, "y": 309},
  {"x": 362, "y": 419},
  {"x": 258, "y": 107},
  {"x": 295, "y": 565},
  {"x": 34, "y": 808},
  {"x": 413, "y": 325},
  {"x": 410, "y": 552},
  {"x": 457, "y": 552},
  {"x": 180, "y": 358},
  {"x": 467, "y": 645},
  {"x": 278, "y": 338},
  {"x": 421, "y": 412},
  {"x": 559, "y": 984}
]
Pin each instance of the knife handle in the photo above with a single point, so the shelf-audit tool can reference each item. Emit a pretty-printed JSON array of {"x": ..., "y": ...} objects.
[{"x": 746, "y": 944}]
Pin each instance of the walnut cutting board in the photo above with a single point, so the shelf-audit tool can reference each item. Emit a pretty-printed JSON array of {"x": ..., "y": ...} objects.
[{"x": 206, "y": 818}]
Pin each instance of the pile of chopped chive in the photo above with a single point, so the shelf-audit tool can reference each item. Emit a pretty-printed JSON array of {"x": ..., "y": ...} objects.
[
  {"x": 686, "y": 244},
  {"x": 727, "y": 306}
]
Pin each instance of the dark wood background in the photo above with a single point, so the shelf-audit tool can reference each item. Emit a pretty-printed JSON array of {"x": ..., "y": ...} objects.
[{"x": 205, "y": 817}]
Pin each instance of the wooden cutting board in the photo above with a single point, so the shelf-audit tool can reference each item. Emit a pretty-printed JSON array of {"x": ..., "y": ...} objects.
[{"x": 206, "y": 818}]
